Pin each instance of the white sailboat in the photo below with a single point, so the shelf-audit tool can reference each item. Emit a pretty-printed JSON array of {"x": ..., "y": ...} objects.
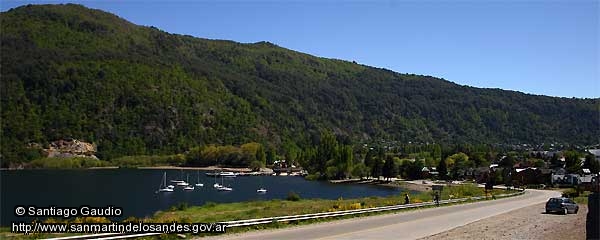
[
  {"x": 181, "y": 183},
  {"x": 222, "y": 186},
  {"x": 228, "y": 174},
  {"x": 188, "y": 187},
  {"x": 261, "y": 189},
  {"x": 198, "y": 183},
  {"x": 216, "y": 185},
  {"x": 163, "y": 185}
]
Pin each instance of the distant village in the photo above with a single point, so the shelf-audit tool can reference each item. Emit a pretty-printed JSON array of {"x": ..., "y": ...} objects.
[{"x": 549, "y": 169}]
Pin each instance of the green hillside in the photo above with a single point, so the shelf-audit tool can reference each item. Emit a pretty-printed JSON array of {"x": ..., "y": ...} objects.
[{"x": 69, "y": 71}]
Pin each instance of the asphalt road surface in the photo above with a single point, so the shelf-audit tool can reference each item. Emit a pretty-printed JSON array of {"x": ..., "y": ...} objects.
[{"x": 405, "y": 225}]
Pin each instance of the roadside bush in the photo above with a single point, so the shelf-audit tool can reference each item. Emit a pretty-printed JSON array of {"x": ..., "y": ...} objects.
[
  {"x": 180, "y": 206},
  {"x": 570, "y": 193},
  {"x": 466, "y": 190},
  {"x": 292, "y": 196},
  {"x": 210, "y": 204},
  {"x": 312, "y": 177}
]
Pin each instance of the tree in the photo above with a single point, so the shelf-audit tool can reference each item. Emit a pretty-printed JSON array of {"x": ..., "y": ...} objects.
[
  {"x": 376, "y": 169},
  {"x": 460, "y": 163},
  {"x": 415, "y": 168},
  {"x": 437, "y": 152},
  {"x": 508, "y": 161},
  {"x": 591, "y": 163},
  {"x": 270, "y": 158},
  {"x": 261, "y": 156},
  {"x": 369, "y": 161},
  {"x": 331, "y": 172},
  {"x": 572, "y": 161},
  {"x": 442, "y": 170},
  {"x": 359, "y": 170},
  {"x": 389, "y": 168},
  {"x": 256, "y": 165},
  {"x": 326, "y": 150},
  {"x": 346, "y": 161}
]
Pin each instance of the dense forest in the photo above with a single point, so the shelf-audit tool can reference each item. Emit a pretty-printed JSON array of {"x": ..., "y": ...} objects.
[{"x": 73, "y": 72}]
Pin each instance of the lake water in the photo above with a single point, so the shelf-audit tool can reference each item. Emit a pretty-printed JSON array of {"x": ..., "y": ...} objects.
[{"x": 135, "y": 190}]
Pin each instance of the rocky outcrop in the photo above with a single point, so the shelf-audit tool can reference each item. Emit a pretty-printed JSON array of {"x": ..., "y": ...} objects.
[{"x": 70, "y": 148}]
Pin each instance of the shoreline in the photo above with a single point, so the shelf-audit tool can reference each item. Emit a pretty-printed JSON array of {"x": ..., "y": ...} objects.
[
  {"x": 393, "y": 184},
  {"x": 210, "y": 168}
]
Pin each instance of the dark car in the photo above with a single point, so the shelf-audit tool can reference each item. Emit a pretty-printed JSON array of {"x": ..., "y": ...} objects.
[{"x": 561, "y": 205}]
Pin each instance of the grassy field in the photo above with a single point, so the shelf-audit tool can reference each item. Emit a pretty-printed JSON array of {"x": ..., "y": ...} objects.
[{"x": 213, "y": 212}]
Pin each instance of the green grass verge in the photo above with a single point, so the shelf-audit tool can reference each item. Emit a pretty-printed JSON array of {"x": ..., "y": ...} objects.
[{"x": 213, "y": 212}]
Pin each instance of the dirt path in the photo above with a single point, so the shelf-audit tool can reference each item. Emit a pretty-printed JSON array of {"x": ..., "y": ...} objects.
[{"x": 525, "y": 223}]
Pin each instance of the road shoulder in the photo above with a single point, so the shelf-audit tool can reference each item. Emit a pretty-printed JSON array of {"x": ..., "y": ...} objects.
[{"x": 526, "y": 223}]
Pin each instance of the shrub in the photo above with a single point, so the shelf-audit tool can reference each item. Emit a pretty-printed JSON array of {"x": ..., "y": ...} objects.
[
  {"x": 312, "y": 177},
  {"x": 570, "y": 193},
  {"x": 210, "y": 204},
  {"x": 67, "y": 163},
  {"x": 180, "y": 206},
  {"x": 292, "y": 196}
]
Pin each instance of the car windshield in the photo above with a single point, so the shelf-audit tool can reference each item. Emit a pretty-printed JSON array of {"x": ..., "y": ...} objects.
[{"x": 555, "y": 200}]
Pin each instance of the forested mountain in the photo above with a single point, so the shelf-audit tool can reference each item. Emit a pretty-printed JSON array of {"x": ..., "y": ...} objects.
[{"x": 72, "y": 72}]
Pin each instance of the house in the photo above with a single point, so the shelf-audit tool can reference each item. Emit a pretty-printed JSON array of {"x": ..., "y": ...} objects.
[
  {"x": 480, "y": 174},
  {"x": 543, "y": 154},
  {"x": 430, "y": 172},
  {"x": 526, "y": 176},
  {"x": 566, "y": 179}
]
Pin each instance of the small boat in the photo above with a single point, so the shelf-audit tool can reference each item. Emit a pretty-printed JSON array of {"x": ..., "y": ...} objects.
[
  {"x": 261, "y": 190},
  {"x": 163, "y": 185},
  {"x": 198, "y": 183},
  {"x": 216, "y": 185},
  {"x": 180, "y": 183},
  {"x": 228, "y": 174},
  {"x": 184, "y": 183},
  {"x": 189, "y": 188},
  {"x": 223, "y": 188}
]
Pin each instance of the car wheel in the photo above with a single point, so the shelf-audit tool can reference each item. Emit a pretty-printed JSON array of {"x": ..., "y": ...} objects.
[
  {"x": 565, "y": 211},
  {"x": 576, "y": 210}
]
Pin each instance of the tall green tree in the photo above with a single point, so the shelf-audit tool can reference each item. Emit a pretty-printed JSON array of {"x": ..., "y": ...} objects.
[
  {"x": 389, "y": 168},
  {"x": 377, "y": 168},
  {"x": 271, "y": 156},
  {"x": 261, "y": 157},
  {"x": 370, "y": 160},
  {"x": 359, "y": 170},
  {"x": 326, "y": 150},
  {"x": 346, "y": 163},
  {"x": 572, "y": 161},
  {"x": 442, "y": 169},
  {"x": 591, "y": 163}
]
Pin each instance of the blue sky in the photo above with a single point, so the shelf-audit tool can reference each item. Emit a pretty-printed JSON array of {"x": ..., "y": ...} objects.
[{"x": 538, "y": 47}]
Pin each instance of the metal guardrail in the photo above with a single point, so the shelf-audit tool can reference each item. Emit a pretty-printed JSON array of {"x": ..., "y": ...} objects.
[{"x": 259, "y": 221}]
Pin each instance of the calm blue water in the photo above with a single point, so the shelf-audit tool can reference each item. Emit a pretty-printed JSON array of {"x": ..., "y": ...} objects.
[{"x": 135, "y": 190}]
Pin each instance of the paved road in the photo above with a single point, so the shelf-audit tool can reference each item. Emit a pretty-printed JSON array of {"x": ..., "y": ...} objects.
[{"x": 405, "y": 225}]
